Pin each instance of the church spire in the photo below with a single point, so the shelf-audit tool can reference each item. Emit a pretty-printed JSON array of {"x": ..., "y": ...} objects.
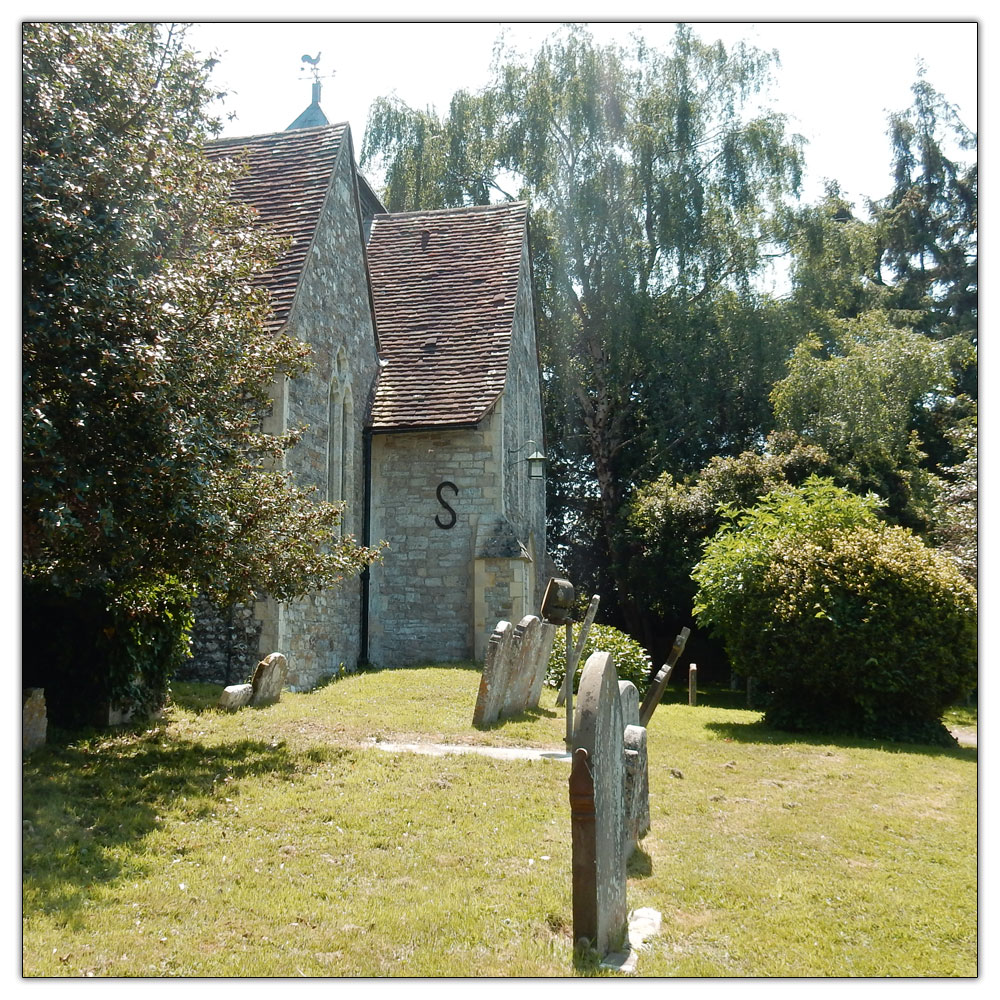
[{"x": 313, "y": 115}]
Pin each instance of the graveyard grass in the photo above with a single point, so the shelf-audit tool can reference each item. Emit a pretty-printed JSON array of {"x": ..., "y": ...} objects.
[{"x": 279, "y": 842}]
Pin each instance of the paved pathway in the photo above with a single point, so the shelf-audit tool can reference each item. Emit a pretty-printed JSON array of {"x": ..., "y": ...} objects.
[{"x": 501, "y": 753}]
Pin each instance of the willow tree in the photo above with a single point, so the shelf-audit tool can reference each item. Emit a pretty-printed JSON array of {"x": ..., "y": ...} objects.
[{"x": 652, "y": 189}]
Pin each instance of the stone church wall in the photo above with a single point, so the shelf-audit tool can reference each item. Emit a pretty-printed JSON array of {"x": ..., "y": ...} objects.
[
  {"x": 465, "y": 524},
  {"x": 332, "y": 313}
]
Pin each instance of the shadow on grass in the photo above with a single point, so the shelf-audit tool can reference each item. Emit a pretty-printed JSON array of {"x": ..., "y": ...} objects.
[
  {"x": 639, "y": 865},
  {"x": 758, "y": 732},
  {"x": 83, "y": 801}
]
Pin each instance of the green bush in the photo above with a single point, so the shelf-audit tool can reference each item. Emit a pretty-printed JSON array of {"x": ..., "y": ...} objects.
[
  {"x": 631, "y": 661},
  {"x": 102, "y": 647},
  {"x": 846, "y": 623}
]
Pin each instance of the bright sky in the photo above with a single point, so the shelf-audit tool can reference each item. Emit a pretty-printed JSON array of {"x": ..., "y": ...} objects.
[{"x": 836, "y": 80}]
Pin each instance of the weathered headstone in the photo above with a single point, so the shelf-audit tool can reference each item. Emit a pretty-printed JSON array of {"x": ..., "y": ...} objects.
[
  {"x": 34, "y": 722},
  {"x": 636, "y": 787},
  {"x": 496, "y": 670},
  {"x": 524, "y": 652},
  {"x": 655, "y": 690},
  {"x": 268, "y": 679},
  {"x": 693, "y": 684},
  {"x": 597, "y": 801},
  {"x": 235, "y": 696},
  {"x": 541, "y": 664}
]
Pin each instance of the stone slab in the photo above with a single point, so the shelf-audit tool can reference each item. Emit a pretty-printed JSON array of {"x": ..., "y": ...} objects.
[
  {"x": 524, "y": 653},
  {"x": 629, "y": 695},
  {"x": 235, "y": 696},
  {"x": 636, "y": 786}
]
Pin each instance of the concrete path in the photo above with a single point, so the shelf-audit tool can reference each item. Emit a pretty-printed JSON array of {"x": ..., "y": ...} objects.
[{"x": 500, "y": 753}]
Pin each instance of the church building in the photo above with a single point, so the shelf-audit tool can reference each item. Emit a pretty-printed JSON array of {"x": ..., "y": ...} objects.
[{"x": 422, "y": 411}]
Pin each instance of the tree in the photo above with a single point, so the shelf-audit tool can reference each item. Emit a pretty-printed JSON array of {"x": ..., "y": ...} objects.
[
  {"x": 651, "y": 191},
  {"x": 929, "y": 221},
  {"x": 146, "y": 364},
  {"x": 858, "y": 396}
]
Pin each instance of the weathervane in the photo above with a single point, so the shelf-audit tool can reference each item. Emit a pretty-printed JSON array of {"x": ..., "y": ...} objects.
[{"x": 314, "y": 62}]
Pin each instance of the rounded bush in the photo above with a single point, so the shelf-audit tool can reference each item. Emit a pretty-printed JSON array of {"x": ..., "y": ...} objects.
[
  {"x": 846, "y": 623},
  {"x": 631, "y": 661}
]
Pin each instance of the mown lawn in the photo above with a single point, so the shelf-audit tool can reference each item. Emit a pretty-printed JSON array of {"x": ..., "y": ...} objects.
[{"x": 281, "y": 842}]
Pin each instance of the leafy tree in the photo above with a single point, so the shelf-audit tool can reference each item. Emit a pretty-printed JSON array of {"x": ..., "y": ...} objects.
[
  {"x": 929, "y": 221},
  {"x": 858, "y": 395},
  {"x": 146, "y": 363},
  {"x": 651, "y": 190},
  {"x": 670, "y": 521},
  {"x": 849, "y": 624}
]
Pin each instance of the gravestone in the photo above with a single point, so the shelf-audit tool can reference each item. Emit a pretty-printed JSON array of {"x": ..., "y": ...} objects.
[
  {"x": 629, "y": 695},
  {"x": 525, "y": 649},
  {"x": 636, "y": 787},
  {"x": 268, "y": 679},
  {"x": 235, "y": 696},
  {"x": 496, "y": 669},
  {"x": 597, "y": 803},
  {"x": 34, "y": 722},
  {"x": 541, "y": 664}
]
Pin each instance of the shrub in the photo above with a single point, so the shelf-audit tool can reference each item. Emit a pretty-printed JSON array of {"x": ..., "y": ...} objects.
[
  {"x": 631, "y": 661},
  {"x": 847, "y": 624}
]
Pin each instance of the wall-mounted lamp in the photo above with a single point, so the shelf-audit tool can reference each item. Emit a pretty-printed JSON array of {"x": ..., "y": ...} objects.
[{"x": 536, "y": 460}]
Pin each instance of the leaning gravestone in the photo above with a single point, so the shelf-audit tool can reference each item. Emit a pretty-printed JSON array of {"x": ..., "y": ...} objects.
[
  {"x": 541, "y": 664},
  {"x": 525, "y": 650},
  {"x": 597, "y": 802},
  {"x": 496, "y": 669},
  {"x": 268, "y": 679}
]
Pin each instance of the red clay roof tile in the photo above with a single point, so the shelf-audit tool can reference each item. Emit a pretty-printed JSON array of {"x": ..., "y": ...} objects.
[
  {"x": 288, "y": 177},
  {"x": 444, "y": 285}
]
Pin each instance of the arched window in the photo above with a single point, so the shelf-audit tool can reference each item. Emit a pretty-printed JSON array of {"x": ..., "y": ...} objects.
[{"x": 340, "y": 445}]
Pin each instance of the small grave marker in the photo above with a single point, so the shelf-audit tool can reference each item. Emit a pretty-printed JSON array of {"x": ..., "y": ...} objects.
[
  {"x": 268, "y": 679},
  {"x": 496, "y": 669}
]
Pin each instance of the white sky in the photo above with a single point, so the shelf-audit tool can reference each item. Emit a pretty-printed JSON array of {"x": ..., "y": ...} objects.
[{"x": 836, "y": 80}]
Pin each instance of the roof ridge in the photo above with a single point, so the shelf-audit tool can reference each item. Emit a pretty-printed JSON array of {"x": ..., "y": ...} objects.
[
  {"x": 234, "y": 139},
  {"x": 453, "y": 211}
]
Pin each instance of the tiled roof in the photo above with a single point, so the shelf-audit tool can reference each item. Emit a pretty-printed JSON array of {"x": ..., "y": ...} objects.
[
  {"x": 287, "y": 182},
  {"x": 444, "y": 285}
]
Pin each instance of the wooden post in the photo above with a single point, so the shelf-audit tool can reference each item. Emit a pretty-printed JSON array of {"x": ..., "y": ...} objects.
[
  {"x": 581, "y": 639},
  {"x": 656, "y": 689},
  {"x": 693, "y": 684}
]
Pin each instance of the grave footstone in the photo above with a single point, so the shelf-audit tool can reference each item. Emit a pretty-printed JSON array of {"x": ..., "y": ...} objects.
[
  {"x": 268, "y": 679},
  {"x": 235, "y": 696},
  {"x": 493, "y": 683},
  {"x": 597, "y": 800},
  {"x": 34, "y": 721}
]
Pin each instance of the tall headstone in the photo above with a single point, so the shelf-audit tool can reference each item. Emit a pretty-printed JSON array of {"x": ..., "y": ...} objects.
[
  {"x": 268, "y": 679},
  {"x": 597, "y": 801},
  {"x": 496, "y": 669}
]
